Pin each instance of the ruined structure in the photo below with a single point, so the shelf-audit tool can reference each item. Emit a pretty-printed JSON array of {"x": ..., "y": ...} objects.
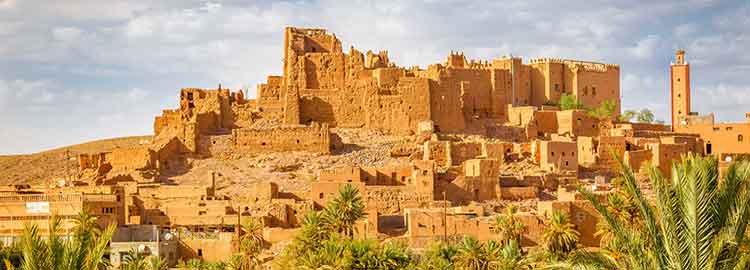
[{"x": 435, "y": 153}]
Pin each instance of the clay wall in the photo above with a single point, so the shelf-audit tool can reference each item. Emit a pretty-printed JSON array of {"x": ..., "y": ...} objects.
[
  {"x": 426, "y": 225},
  {"x": 215, "y": 248},
  {"x": 463, "y": 151},
  {"x": 637, "y": 158},
  {"x": 519, "y": 193},
  {"x": 577, "y": 122},
  {"x": 315, "y": 138},
  {"x": 594, "y": 83},
  {"x": 137, "y": 158},
  {"x": 721, "y": 139},
  {"x": 558, "y": 155},
  {"x": 663, "y": 155}
]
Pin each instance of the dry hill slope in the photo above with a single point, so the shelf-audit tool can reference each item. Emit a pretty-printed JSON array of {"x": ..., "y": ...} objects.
[{"x": 39, "y": 168}]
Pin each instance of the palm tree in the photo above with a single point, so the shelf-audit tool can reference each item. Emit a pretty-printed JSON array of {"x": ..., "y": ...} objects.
[
  {"x": 9, "y": 256},
  {"x": 86, "y": 223},
  {"x": 57, "y": 253},
  {"x": 560, "y": 237},
  {"x": 697, "y": 222},
  {"x": 508, "y": 225},
  {"x": 156, "y": 263},
  {"x": 391, "y": 256},
  {"x": 312, "y": 232},
  {"x": 343, "y": 211},
  {"x": 510, "y": 258},
  {"x": 251, "y": 243},
  {"x": 438, "y": 256},
  {"x": 133, "y": 260},
  {"x": 471, "y": 255}
]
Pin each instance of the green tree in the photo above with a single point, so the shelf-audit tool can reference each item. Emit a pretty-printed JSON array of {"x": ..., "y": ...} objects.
[
  {"x": 628, "y": 115},
  {"x": 471, "y": 255},
  {"x": 645, "y": 116},
  {"x": 134, "y": 260},
  {"x": 697, "y": 221},
  {"x": 155, "y": 262},
  {"x": 344, "y": 210},
  {"x": 438, "y": 256},
  {"x": 511, "y": 257},
  {"x": 570, "y": 102},
  {"x": 509, "y": 226},
  {"x": 561, "y": 237},
  {"x": 605, "y": 110},
  {"x": 251, "y": 243},
  {"x": 53, "y": 252}
]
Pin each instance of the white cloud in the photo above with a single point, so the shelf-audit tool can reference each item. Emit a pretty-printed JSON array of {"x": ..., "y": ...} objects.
[
  {"x": 148, "y": 50},
  {"x": 646, "y": 47},
  {"x": 7, "y": 4},
  {"x": 136, "y": 94},
  {"x": 66, "y": 34}
]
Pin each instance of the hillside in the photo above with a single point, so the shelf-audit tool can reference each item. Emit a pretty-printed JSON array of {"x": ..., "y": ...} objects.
[{"x": 40, "y": 168}]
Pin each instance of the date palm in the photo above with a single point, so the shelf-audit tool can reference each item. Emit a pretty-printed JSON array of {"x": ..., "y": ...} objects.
[
  {"x": 156, "y": 263},
  {"x": 561, "y": 237},
  {"x": 471, "y": 255},
  {"x": 697, "y": 221},
  {"x": 53, "y": 252},
  {"x": 133, "y": 260},
  {"x": 509, "y": 226},
  {"x": 344, "y": 210},
  {"x": 251, "y": 243}
]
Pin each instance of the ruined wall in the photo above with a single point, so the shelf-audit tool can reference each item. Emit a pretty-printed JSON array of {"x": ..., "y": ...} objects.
[
  {"x": 558, "y": 155},
  {"x": 315, "y": 138}
]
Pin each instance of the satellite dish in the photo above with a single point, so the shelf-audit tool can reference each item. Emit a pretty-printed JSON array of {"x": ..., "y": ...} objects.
[
  {"x": 168, "y": 236},
  {"x": 728, "y": 159}
]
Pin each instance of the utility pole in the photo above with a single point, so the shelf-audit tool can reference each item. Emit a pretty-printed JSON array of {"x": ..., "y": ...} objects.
[{"x": 445, "y": 218}]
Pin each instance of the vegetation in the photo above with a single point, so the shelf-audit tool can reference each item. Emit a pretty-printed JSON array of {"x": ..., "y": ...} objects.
[
  {"x": 605, "y": 110},
  {"x": 508, "y": 226},
  {"x": 570, "y": 102},
  {"x": 84, "y": 250},
  {"x": 642, "y": 116},
  {"x": 696, "y": 222}
]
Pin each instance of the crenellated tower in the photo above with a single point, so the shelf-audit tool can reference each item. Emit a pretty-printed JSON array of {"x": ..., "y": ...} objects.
[{"x": 680, "y": 83}]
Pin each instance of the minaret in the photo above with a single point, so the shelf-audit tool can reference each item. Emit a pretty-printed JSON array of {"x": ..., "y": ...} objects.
[{"x": 680, "y": 82}]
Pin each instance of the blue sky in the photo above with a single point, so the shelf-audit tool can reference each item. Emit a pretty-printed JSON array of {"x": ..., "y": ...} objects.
[{"x": 73, "y": 71}]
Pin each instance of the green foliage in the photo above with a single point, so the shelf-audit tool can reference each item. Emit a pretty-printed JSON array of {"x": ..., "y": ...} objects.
[
  {"x": 133, "y": 260},
  {"x": 570, "y": 102},
  {"x": 508, "y": 225},
  {"x": 697, "y": 221},
  {"x": 344, "y": 210},
  {"x": 642, "y": 116},
  {"x": 10, "y": 256},
  {"x": 645, "y": 116},
  {"x": 438, "y": 256},
  {"x": 560, "y": 238},
  {"x": 628, "y": 115},
  {"x": 606, "y": 109},
  {"x": 156, "y": 263},
  {"x": 85, "y": 250}
]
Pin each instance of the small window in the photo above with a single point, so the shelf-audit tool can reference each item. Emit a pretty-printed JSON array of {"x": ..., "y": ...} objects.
[
  {"x": 320, "y": 195},
  {"x": 739, "y": 138},
  {"x": 552, "y": 154},
  {"x": 200, "y": 252}
]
